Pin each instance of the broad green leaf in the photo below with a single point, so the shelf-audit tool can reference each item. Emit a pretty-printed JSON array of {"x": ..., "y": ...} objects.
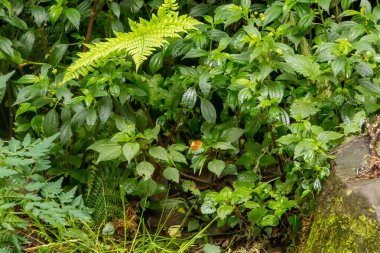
[
  {"x": 199, "y": 10},
  {"x": 245, "y": 4},
  {"x": 50, "y": 124},
  {"x": 327, "y": 136},
  {"x": 6, "y": 46},
  {"x": 270, "y": 220},
  {"x": 364, "y": 69},
  {"x": 303, "y": 65},
  {"x": 192, "y": 225},
  {"x": 338, "y": 64},
  {"x": 227, "y": 14},
  {"x": 208, "y": 207},
  {"x": 224, "y": 211},
  {"x": 209, "y": 248},
  {"x": 115, "y": 9},
  {"x": 107, "y": 150},
  {"x": 232, "y": 134},
  {"x": 302, "y": 109},
  {"x": 273, "y": 12},
  {"x": 189, "y": 98},
  {"x": 325, "y": 4},
  {"x": 15, "y": 21},
  {"x": 156, "y": 62},
  {"x": 159, "y": 153},
  {"x": 105, "y": 108},
  {"x": 26, "y": 93},
  {"x": 288, "y": 139},
  {"x": 57, "y": 53},
  {"x": 195, "y": 53},
  {"x": 27, "y": 42},
  {"x": 369, "y": 85},
  {"x": 216, "y": 167},
  {"x": 356, "y": 31},
  {"x": 172, "y": 174},
  {"x": 204, "y": 85},
  {"x": 177, "y": 157},
  {"x": 91, "y": 117},
  {"x": 73, "y": 15},
  {"x": 303, "y": 147},
  {"x": 130, "y": 150},
  {"x": 27, "y": 79},
  {"x": 145, "y": 170},
  {"x": 208, "y": 111},
  {"x": 55, "y": 12},
  {"x": 3, "y": 84},
  {"x": 39, "y": 14}
]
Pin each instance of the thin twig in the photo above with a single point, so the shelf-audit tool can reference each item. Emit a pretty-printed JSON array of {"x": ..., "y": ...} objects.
[{"x": 90, "y": 25}]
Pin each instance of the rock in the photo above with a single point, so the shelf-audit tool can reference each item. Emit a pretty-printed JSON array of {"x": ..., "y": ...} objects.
[{"x": 348, "y": 213}]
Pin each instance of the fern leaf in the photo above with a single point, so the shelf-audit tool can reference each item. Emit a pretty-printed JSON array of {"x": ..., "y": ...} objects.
[{"x": 140, "y": 43}]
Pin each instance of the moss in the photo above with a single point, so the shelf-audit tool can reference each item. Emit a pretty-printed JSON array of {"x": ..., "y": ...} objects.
[{"x": 343, "y": 223}]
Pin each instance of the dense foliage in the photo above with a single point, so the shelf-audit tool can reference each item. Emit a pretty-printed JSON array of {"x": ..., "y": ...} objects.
[{"x": 218, "y": 111}]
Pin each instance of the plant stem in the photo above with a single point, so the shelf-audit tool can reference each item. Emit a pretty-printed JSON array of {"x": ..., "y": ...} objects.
[
  {"x": 10, "y": 111},
  {"x": 90, "y": 25}
]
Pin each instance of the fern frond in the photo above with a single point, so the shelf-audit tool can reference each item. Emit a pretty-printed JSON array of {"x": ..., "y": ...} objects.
[{"x": 140, "y": 43}]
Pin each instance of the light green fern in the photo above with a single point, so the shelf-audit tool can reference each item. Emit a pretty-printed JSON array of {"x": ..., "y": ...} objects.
[{"x": 140, "y": 43}]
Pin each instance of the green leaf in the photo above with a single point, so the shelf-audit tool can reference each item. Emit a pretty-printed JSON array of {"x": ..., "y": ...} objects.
[
  {"x": 50, "y": 124},
  {"x": 192, "y": 225},
  {"x": 115, "y": 9},
  {"x": 107, "y": 150},
  {"x": 6, "y": 46},
  {"x": 288, "y": 139},
  {"x": 245, "y": 4},
  {"x": 55, "y": 12},
  {"x": 273, "y": 12},
  {"x": 130, "y": 150},
  {"x": 216, "y": 167},
  {"x": 91, "y": 117},
  {"x": 303, "y": 147},
  {"x": 4, "y": 172},
  {"x": 209, "y": 248},
  {"x": 227, "y": 14},
  {"x": 327, "y": 136},
  {"x": 270, "y": 220},
  {"x": 208, "y": 111},
  {"x": 73, "y": 15},
  {"x": 105, "y": 108},
  {"x": 27, "y": 79},
  {"x": 302, "y": 109},
  {"x": 325, "y": 4},
  {"x": 39, "y": 14},
  {"x": 156, "y": 62},
  {"x": 159, "y": 153},
  {"x": 26, "y": 93},
  {"x": 177, "y": 157},
  {"x": 172, "y": 174},
  {"x": 208, "y": 207},
  {"x": 57, "y": 53},
  {"x": 232, "y": 134},
  {"x": 364, "y": 69},
  {"x": 369, "y": 85},
  {"x": 303, "y": 65},
  {"x": 224, "y": 211},
  {"x": 15, "y": 21},
  {"x": 204, "y": 85},
  {"x": 145, "y": 170},
  {"x": 189, "y": 98},
  {"x": 3, "y": 83},
  {"x": 338, "y": 64}
]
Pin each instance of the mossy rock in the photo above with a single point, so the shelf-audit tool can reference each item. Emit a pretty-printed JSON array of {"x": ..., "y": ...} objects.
[{"x": 345, "y": 219}]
